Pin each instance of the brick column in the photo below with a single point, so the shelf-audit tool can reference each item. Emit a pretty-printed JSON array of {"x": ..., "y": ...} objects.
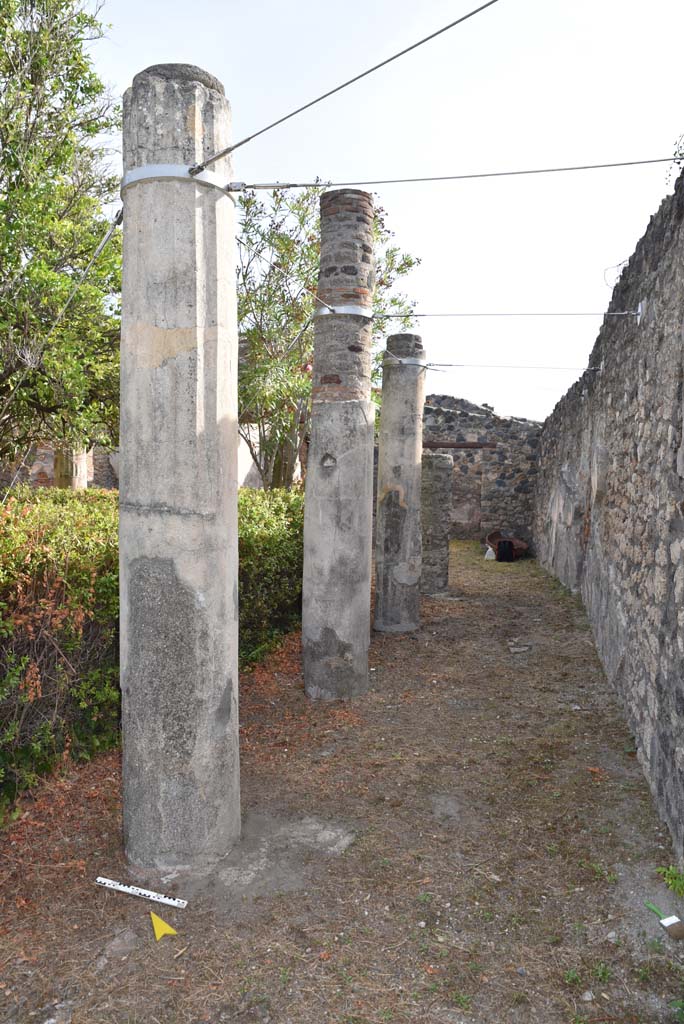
[{"x": 339, "y": 479}]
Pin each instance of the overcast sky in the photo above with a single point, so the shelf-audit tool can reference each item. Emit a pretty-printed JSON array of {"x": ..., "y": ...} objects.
[{"x": 523, "y": 84}]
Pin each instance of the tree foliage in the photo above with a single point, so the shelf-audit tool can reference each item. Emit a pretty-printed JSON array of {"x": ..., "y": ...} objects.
[
  {"x": 277, "y": 276},
  {"x": 57, "y": 383}
]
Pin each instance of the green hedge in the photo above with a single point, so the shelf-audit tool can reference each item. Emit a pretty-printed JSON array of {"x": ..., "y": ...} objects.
[
  {"x": 271, "y": 530},
  {"x": 59, "y": 606},
  {"x": 59, "y": 609}
]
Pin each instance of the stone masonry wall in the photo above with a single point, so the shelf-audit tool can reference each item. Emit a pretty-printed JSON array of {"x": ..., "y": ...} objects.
[
  {"x": 609, "y": 518},
  {"x": 491, "y": 488}
]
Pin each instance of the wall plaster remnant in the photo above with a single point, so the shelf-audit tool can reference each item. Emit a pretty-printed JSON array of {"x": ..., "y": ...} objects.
[
  {"x": 398, "y": 540},
  {"x": 178, "y": 522},
  {"x": 339, "y": 481}
]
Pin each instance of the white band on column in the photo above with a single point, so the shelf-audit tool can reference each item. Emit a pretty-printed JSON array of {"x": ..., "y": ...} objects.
[
  {"x": 176, "y": 172},
  {"x": 345, "y": 310}
]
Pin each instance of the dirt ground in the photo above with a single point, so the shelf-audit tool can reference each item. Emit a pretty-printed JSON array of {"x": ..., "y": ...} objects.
[{"x": 470, "y": 842}]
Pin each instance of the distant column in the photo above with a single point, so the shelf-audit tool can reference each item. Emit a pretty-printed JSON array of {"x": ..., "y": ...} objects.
[
  {"x": 339, "y": 477},
  {"x": 71, "y": 468},
  {"x": 436, "y": 515},
  {"x": 397, "y": 525},
  {"x": 178, "y": 466}
]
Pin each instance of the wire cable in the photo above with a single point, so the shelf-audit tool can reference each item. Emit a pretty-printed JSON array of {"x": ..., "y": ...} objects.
[
  {"x": 16, "y": 475},
  {"x": 401, "y": 316},
  {"x": 331, "y": 92},
  {"x": 386, "y": 354},
  {"x": 118, "y": 219},
  {"x": 511, "y": 366},
  {"x": 241, "y": 186}
]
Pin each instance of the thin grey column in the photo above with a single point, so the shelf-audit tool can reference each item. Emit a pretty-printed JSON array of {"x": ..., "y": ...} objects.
[
  {"x": 436, "y": 486},
  {"x": 178, "y": 472},
  {"x": 339, "y": 478},
  {"x": 398, "y": 542}
]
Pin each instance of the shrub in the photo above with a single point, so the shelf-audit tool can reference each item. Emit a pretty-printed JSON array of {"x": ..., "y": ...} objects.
[
  {"x": 59, "y": 606},
  {"x": 271, "y": 529},
  {"x": 59, "y": 609}
]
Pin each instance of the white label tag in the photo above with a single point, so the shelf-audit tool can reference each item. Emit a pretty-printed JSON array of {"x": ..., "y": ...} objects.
[{"x": 145, "y": 894}]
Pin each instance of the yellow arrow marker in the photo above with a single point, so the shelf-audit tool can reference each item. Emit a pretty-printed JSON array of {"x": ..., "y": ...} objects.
[{"x": 161, "y": 927}]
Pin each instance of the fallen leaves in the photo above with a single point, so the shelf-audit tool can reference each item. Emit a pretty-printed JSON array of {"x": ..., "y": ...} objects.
[
  {"x": 58, "y": 825},
  {"x": 276, "y": 717}
]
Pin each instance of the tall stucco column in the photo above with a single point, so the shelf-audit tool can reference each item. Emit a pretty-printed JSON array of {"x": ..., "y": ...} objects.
[
  {"x": 178, "y": 465},
  {"x": 398, "y": 541},
  {"x": 436, "y": 486},
  {"x": 339, "y": 478}
]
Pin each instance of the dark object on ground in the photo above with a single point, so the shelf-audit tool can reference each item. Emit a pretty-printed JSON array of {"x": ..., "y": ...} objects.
[
  {"x": 506, "y": 547},
  {"x": 505, "y": 552}
]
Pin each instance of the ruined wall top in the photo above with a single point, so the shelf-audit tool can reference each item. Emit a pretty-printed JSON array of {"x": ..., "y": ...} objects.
[{"x": 461, "y": 415}]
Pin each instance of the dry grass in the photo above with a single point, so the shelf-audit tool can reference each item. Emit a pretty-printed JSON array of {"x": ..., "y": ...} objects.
[{"x": 505, "y": 841}]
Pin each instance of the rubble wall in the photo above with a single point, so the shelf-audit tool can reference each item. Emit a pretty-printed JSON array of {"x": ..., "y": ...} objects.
[
  {"x": 491, "y": 488},
  {"x": 609, "y": 507}
]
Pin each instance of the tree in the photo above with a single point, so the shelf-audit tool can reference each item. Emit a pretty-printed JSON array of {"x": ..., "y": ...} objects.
[
  {"x": 58, "y": 375},
  {"x": 277, "y": 276}
]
